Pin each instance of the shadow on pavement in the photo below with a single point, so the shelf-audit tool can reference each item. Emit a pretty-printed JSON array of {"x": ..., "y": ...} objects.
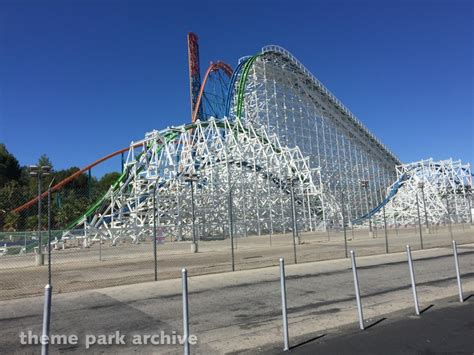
[
  {"x": 307, "y": 341},
  {"x": 375, "y": 323},
  {"x": 426, "y": 308}
]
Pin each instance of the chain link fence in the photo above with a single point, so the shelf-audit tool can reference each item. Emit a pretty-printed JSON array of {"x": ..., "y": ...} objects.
[{"x": 80, "y": 263}]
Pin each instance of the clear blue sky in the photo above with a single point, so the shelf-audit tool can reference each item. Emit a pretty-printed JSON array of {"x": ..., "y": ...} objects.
[{"x": 80, "y": 79}]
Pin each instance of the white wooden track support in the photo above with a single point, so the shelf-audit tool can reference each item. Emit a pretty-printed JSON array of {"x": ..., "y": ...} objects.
[{"x": 222, "y": 157}]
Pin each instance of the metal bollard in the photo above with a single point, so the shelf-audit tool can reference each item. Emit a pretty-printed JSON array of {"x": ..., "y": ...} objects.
[
  {"x": 184, "y": 273},
  {"x": 283, "y": 305},
  {"x": 357, "y": 291},
  {"x": 155, "y": 255},
  {"x": 48, "y": 289},
  {"x": 458, "y": 274},
  {"x": 413, "y": 282}
]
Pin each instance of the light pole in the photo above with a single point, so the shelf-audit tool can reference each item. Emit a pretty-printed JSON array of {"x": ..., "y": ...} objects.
[
  {"x": 191, "y": 178},
  {"x": 38, "y": 171},
  {"x": 365, "y": 185},
  {"x": 421, "y": 185}
]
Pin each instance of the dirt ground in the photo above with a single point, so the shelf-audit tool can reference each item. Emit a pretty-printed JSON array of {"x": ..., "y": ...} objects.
[{"x": 99, "y": 266}]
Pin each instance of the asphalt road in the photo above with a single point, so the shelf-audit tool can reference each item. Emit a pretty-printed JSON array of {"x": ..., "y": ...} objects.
[
  {"x": 446, "y": 328},
  {"x": 241, "y": 311}
]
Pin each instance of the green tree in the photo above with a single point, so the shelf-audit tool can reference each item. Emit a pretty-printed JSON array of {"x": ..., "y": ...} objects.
[
  {"x": 107, "y": 180},
  {"x": 17, "y": 186},
  {"x": 45, "y": 161},
  {"x": 10, "y": 221},
  {"x": 10, "y": 196}
]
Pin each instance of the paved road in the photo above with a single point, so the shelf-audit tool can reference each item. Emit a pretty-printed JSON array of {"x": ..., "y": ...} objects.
[
  {"x": 446, "y": 328},
  {"x": 241, "y": 311}
]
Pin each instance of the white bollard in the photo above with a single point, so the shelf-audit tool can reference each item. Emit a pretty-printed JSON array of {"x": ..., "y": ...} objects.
[
  {"x": 357, "y": 290},
  {"x": 413, "y": 282},
  {"x": 283, "y": 305},
  {"x": 185, "y": 311},
  {"x": 458, "y": 274},
  {"x": 46, "y": 319}
]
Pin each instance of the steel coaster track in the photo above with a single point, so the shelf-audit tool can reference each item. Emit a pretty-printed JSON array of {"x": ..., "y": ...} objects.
[
  {"x": 401, "y": 181},
  {"x": 213, "y": 67},
  {"x": 393, "y": 191}
]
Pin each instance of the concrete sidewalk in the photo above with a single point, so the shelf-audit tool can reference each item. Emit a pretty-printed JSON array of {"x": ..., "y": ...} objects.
[{"x": 241, "y": 311}]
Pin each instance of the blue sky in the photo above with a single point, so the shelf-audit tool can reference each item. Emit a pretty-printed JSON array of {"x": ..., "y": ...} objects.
[{"x": 80, "y": 79}]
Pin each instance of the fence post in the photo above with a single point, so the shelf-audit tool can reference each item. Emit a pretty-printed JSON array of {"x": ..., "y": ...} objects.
[
  {"x": 46, "y": 319},
  {"x": 357, "y": 290},
  {"x": 419, "y": 219},
  {"x": 293, "y": 220},
  {"x": 449, "y": 218},
  {"x": 458, "y": 274},
  {"x": 344, "y": 224},
  {"x": 283, "y": 305},
  {"x": 231, "y": 228},
  {"x": 184, "y": 273},
  {"x": 396, "y": 225},
  {"x": 385, "y": 228},
  {"x": 413, "y": 282},
  {"x": 49, "y": 232},
  {"x": 345, "y": 238},
  {"x": 422, "y": 186},
  {"x": 40, "y": 240},
  {"x": 469, "y": 206}
]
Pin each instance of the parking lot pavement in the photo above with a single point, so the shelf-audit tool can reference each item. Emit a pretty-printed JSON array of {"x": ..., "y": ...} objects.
[
  {"x": 445, "y": 328},
  {"x": 241, "y": 311}
]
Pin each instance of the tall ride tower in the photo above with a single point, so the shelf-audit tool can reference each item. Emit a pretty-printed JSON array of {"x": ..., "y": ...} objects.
[{"x": 194, "y": 73}]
